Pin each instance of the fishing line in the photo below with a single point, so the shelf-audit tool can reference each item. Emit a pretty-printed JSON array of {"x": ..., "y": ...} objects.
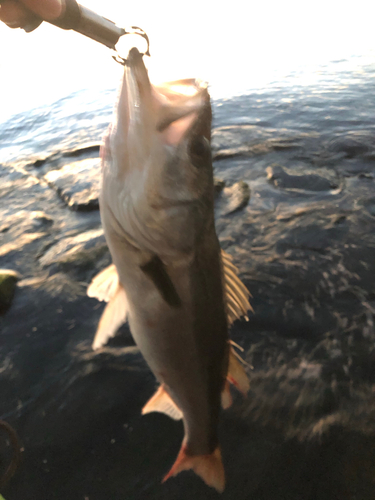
[{"x": 135, "y": 30}]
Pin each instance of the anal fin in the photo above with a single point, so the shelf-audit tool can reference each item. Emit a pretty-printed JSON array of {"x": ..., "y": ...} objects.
[
  {"x": 163, "y": 403},
  {"x": 226, "y": 397},
  {"x": 237, "y": 374},
  {"x": 207, "y": 467}
]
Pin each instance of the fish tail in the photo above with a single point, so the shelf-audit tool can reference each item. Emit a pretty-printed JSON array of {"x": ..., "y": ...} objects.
[{"x": 207, "y": 467}]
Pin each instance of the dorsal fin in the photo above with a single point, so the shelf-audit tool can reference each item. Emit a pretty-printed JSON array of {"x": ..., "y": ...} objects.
[
  {"x": 236, "y": 294},
  {"x": 237, "y": 302}
]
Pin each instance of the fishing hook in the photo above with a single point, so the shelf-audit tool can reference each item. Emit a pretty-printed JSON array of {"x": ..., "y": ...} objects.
[{"x": 136, "y": 30}]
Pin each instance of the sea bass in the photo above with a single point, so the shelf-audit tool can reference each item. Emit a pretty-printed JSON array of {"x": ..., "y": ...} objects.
[{"x": 169, "y": 278}]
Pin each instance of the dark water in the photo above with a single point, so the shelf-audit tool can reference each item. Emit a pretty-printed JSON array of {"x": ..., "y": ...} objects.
[{"x": 304, "y": 244}]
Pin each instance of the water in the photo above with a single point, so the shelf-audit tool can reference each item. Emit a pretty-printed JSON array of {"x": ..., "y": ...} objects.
[
  {"x": 309, "y": 267},
  {"x": 327, "y": 99}
]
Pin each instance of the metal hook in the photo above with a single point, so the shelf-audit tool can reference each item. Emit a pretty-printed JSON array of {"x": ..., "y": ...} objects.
[
  {"x": 135, "y": 30},
  {"x": 143, "y": 34}
]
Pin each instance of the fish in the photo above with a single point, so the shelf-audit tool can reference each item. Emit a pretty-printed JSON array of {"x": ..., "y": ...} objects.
[{"x": 170, "y": 279}]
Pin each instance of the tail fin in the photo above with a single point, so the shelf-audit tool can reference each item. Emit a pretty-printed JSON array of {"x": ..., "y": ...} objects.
[{"x": 207, "y": 467}]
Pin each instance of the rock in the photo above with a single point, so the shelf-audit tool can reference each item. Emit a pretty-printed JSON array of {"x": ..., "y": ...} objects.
[
  {"x": 78, "y": 184},
  {"x": 80, "y": 254},
  {"x": 232, "y": 199},
  {"x": 8, "y": 281},
  {"x": 369, "y": 205},
  {"x": 219, "y": 185},
  {"x": 89, "y": 149},
  {"x": 25, "y": 222},
  {"x": 352, "y": 144},
  {"x": 281, "y": 179}
]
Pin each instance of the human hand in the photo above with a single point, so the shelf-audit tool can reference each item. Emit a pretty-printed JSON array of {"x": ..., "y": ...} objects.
[{"x": 23, "y": 13}]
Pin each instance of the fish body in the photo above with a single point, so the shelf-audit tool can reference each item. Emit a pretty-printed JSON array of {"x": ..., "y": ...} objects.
[{"x": 157, "y": 210}]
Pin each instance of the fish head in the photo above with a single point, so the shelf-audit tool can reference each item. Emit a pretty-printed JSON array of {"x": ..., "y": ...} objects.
[
  {"x": 155, "y": 124},
  {"x": 160, "y": 158}
]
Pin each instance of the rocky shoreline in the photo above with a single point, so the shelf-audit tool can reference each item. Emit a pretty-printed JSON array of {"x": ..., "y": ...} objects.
[{"x": 297, "y": 212}]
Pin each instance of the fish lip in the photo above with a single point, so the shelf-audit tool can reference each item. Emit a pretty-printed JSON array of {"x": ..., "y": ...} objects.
[
  {"x": 136, "y": 66},
  {"x": 134, "y": 57},
  {"x": 138, "y": 82}
]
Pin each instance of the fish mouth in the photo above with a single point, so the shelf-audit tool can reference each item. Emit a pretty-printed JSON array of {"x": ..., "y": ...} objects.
[{"x": 139, "y": 86}]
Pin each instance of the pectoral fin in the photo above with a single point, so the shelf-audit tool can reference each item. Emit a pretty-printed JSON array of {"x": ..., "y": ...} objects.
[
  {"x": 157, "y": 273},
  {"x": 104, "y": 285},
  {"x": 114, "y": 315}
]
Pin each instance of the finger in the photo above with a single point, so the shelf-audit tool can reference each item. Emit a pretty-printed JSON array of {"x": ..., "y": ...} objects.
[
  {"x": 14, "y": 14},
  {"x": 46, "y": 9}
]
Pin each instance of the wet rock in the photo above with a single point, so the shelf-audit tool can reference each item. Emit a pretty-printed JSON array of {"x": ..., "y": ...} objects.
[
  {"x": 283, "y": 144},
  {"x": 219, "y": 185},
  {"x": 87, "y": 150},
  {"x": 78, "y": 184},
  {"x": 312, "y": 237},
  {"x": 27, "y": 222},
  {"x": 8, "y": 281},
  {"x": 81, "y": 254},
  {"x": 369, "y": 205},
  {"x": 251, "y": 140},
  {"x": 352, "y": 144},
  {"x": 37, "y": 163},
  {"x": 24, "y": 231},
  {"x": 232, "y": 153},
  {"x": 232, "y": 198},
  {"x": 281, "y": 179},
  {"x": 33, "y": 221}
]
